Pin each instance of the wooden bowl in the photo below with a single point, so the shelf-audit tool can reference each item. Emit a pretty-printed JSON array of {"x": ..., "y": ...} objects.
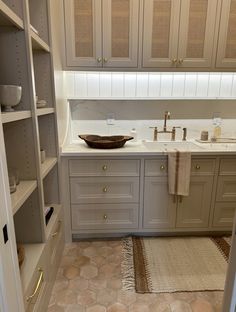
[{"x": 105, "y": 142}]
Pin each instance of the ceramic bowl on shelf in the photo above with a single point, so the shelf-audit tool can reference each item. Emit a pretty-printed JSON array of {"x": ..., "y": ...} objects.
[{"x": 10, "y": 96}]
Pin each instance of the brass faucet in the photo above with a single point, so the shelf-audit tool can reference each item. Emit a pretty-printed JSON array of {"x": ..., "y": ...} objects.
[
  {"x": 167, "y": 116},
  {"x": 173, "y": 131}
]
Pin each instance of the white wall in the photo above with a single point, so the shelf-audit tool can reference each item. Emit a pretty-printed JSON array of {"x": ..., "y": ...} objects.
[
  {"x": 59, "y": 74},
  {"x": 124, "y": 85}
]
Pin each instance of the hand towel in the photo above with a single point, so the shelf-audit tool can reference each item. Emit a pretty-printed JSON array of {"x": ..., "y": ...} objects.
[{"x": 179, "y": 169}]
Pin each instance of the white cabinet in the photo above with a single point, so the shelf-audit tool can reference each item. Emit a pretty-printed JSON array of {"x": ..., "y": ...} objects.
[
  {"x": 102, "y": 33},
  {"x": 179, "y": 33},
  {"x": 226, "y": 53}
]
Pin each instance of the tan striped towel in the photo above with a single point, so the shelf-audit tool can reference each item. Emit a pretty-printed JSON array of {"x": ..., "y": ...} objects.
[{"x": 179, "y": 168}]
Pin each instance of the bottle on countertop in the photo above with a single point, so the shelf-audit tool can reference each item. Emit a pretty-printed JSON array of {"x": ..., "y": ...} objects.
[
  {"x": 134, "y": 134},
  {"x": 217, "y": 123}
]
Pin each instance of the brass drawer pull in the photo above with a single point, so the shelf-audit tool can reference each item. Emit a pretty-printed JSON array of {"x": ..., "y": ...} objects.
[
  {"x": 162, "y": 167},
  {"x": 105, "y": 217},
  {"x": 197, "y": 167},
  {"x": 38, "y": 285},
  {"x": 58, "y": 229},
  {"x": 104, "y": 168},
  {"x": 104, "y": 189}
]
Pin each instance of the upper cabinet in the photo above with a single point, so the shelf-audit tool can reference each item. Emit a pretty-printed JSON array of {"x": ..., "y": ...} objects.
[
  {"x": 178, "y": 33},
  {"x": 160, "y": 33},
  {"x": 102, "y": 33},
  {"x": 226, "y": 53}
]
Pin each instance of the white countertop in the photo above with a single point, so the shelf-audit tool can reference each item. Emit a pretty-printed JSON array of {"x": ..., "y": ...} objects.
[{"x": 148, "y": 149}]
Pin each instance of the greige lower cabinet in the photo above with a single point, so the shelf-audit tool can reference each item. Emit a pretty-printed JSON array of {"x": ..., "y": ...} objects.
[
  {"x": 125, "y": 195},
  {"x": 159, "y": 206},
  {"x": 104, "y": 194},
  {"x": 193, "y": 211},
  {"x": 225, "y": 205},
  {"x": 162, "y": 210}
]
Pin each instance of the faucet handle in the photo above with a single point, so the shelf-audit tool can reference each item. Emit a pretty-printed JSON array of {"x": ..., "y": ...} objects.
[{"x": 155, "y": 133}]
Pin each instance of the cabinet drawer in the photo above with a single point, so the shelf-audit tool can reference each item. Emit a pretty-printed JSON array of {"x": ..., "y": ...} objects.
[
  {"x": 224, "y": 215},
  {"x": 226, "y": 188},
  {"x": 228, "y": 166},
  {"x": 104, "y": 190},
  {"x": 104, "y": 167},
  {"x": 159, "y": 167},
  {"x": 202, "y": 166},
  {"x": 40, "y": 276},
  {"x": 104, "y": 217},
  {"x": 156, "y": 167}
]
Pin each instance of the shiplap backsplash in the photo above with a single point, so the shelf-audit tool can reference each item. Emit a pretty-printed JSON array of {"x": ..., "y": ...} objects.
[{"x": 125, "y": 85}]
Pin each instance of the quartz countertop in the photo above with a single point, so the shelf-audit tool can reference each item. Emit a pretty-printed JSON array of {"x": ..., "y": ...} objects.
[{"x": 148, "y": 148}]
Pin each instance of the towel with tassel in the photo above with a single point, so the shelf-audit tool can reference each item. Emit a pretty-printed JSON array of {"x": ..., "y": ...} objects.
[{"x": 179, "y": 169}]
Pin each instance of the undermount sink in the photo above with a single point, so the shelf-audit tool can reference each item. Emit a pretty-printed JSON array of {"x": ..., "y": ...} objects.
[{"x": 172, "y": 145}]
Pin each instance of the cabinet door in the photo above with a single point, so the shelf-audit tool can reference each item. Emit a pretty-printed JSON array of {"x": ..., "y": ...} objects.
[
  {"x": 196, "y": 34},
  {"x": 226, "y": 53},
  {"x": 83, "y": 33},
  {"x": 159, "y": 207},
  {"x": 224, "y": 215},
  {"x": 160, "y": 33},
  {"x": 120, "y": 33},
  {"x": 194, "y": 210}
]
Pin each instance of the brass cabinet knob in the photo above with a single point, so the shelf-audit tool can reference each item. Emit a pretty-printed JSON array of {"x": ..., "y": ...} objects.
[
  {"x": 105, "y": 217},
  {"x": 99, "y": 59},
  {"x": 104, "y": 168},
  {"x": 105, "y": 60},
  {"x": 197, "y": 167},
  {"x": 174, "y": 61},
  {"x": 180, "y": 61},
  {"x": 162, "y": 167},
  {"x": 104, "y": 189}
]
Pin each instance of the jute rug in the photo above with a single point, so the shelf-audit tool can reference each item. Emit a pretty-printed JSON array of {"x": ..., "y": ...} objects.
[{"x": 172, "y": 264}]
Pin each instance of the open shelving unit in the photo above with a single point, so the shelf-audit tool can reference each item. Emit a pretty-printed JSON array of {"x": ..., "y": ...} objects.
[{"x": 26, "y": 60}]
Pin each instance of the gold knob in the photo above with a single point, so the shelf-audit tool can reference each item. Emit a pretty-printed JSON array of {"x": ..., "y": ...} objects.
[
  {"x": 197, "y": 167},
  {"x": 180, "y": 61},
  {"x": 104, "y": 189},
  {"x": 105, "y": 217},
  {"x": 105, "y": 60},
  {"x": 162, "y": 167},
  {"x": 104, "y": 168},
  {"x": 174, "y": 60},
  {"x": 99, "y": 59}
]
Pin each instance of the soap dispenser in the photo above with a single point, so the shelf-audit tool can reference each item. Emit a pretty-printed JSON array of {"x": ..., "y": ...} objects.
[{"x": 217, "y": 124}]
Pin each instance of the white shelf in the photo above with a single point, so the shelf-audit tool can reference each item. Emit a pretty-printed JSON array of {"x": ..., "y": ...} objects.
[
  {"x": 49, "y": 226},
  {"x": 14, "y": 116},
  {"x": 23, "y": 191},
  {"x": 33, "y": 253},
  {"x": 45, "y": 111},
  {"x": 9, "y": 18},
  {"x": 38, "y": 43},
  {"x": 47, "y": 166}
]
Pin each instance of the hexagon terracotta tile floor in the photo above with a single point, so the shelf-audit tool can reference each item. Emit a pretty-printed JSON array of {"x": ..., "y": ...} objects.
[{"x": 89, "y": 280}]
